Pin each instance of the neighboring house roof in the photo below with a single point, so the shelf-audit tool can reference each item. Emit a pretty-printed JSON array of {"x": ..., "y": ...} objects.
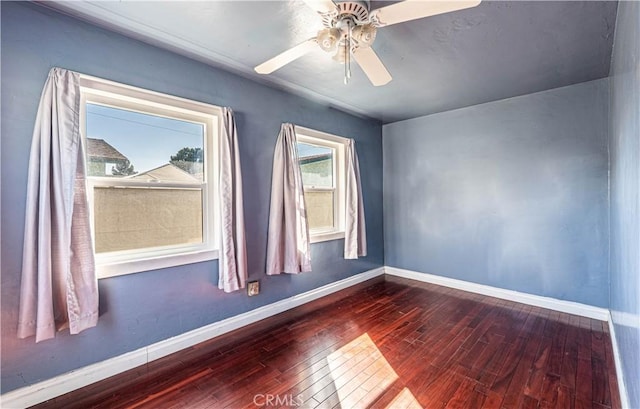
[
  {"x": 99, "y": 149},
  {"x": 193, "y": 168},
  {"x": 165, "y": 173}
]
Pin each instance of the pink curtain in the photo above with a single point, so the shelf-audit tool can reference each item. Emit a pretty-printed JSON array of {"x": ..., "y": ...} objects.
[
  {"x": 233, "y": 252},
  {"x": 288, "y": 246},
  {"x": 355, "y": 235},
  {"x": 59, "y": 288}
]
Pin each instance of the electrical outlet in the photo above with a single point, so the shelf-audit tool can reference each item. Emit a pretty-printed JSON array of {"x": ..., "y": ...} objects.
[{"x": 253, "y": 288}]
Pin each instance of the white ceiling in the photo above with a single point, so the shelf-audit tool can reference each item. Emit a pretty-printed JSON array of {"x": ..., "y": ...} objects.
[{"x": 494, "y": 51}]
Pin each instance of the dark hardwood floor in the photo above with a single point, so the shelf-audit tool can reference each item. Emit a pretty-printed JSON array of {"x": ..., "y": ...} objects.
[{"x": 393, "y": 343}]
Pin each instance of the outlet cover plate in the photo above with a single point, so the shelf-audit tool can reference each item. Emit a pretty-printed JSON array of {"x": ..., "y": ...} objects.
[{"x": 253, "y": 288}]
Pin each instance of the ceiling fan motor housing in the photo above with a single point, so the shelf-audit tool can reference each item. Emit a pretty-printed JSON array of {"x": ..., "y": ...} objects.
[{"x": 356, "y": 11}]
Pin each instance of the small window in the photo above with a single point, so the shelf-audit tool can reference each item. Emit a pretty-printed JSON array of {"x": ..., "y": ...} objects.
[
  {"x": 322, "y": 164},
  {"x": 151, "y": 161}
]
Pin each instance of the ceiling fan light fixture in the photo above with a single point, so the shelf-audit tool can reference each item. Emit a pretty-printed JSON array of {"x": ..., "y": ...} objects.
[
  {"x": 365, "y": 34},
  {"x": 328, "y": 39}
]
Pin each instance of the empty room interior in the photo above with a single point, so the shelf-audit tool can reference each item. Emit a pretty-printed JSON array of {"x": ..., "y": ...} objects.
[{"x": 317, "y": 203}]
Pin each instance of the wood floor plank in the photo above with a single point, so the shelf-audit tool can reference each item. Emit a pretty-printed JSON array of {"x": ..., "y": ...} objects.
[
  {"x": 439, "y": 392},
  {"x": 466, "y": 396},
  {"x": 514, "y": 395},
  {"x": 392, "y": 343},
  {"x": 492, "y": 400},
  {"x": 570, "y": 359},
  {"x": 534, "y": 384}
]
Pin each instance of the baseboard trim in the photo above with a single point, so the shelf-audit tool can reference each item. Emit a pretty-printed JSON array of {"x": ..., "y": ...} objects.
[
  {"x": 65, "y": 383},
  {"x": 624, "y": 397},
  {"x": 569, "y": 307}
]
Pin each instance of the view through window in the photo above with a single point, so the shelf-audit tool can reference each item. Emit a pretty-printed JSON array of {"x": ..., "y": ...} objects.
[
  {"x": 317, "y": 167},
  {"x": 144, "y": 150},
  {"x": 150, "y": 173}
]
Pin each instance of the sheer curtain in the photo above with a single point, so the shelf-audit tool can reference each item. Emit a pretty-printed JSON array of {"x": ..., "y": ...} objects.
[
  {"x": 288, "y": 248},
  {"x": 355, "y": 235},
  {"x": 59, "y": 287},
  {"x": 233, "y": 252}
]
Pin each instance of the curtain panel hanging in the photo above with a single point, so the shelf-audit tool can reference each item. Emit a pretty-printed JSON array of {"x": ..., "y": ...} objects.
[
  {"x": 59, "y": 287},
  {"x": 233, "y": 252},
  {"x": 355, "y": 234},
  {"x": 288, "y": 247}
]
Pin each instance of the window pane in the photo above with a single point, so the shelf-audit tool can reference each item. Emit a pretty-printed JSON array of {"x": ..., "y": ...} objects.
[
  {"x": 319, "y": 209},
  {"x": 316, "y": 164},
  {"x": 140, "y": 146},
  {"x": 135, "y": 218}
]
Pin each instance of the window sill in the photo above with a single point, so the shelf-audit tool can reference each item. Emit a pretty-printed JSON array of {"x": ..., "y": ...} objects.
[
  {"x": 320, "y": 237},
  {"x": 153, "y": 263}
]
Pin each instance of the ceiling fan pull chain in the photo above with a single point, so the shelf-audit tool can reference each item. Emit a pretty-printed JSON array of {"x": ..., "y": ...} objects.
[
  {"x": 347, "y": 54},
  {"x": 346, "y": 64}
]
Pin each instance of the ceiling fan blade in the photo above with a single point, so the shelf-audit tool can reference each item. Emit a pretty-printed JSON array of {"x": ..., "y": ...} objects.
[
  {"x": 286, "y": 57},
  {"x": 414, "y": 9},
  {"x": 368, "y": 60},
  {"x": 321, "y": 6}
]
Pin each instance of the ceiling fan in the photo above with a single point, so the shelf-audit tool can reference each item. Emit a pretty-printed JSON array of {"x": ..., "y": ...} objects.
[{"x": 350, "y": 29}]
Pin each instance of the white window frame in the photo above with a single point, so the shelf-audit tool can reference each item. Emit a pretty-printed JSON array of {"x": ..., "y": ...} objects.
[
  {"x": 338, "y": 144},
  {"x": 108, "y": 93}
]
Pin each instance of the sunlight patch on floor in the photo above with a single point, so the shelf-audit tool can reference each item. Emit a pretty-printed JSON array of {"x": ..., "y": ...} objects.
[
  {"x": 360, "y": 372},
  {"x": 404, "y": 399}
]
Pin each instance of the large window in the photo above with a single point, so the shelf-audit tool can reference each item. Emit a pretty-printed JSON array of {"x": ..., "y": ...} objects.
[
  {"x": 322, "y": 163},
  {"x": 151, "y": 161}
]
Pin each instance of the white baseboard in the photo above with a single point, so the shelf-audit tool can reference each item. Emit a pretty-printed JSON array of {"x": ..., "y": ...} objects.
[
  {"x": 65, "y": 383},
  {"x": 624, "y": 397},
  {"x": 569, "y": 307}
]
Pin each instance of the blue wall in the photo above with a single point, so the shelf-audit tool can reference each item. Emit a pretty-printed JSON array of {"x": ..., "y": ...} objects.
[
  {"x": 625, "y": 196},
  {"x": 511, "y": 194},
  {"x": 143, "y": 308}
]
